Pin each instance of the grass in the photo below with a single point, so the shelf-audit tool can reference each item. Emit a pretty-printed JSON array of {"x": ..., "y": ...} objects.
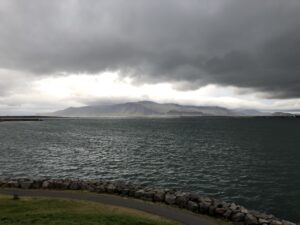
[{"x": 52, "y": 211}]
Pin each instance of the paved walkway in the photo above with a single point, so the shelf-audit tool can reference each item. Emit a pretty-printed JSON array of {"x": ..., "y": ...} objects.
[{"x": 181, "y": 216}]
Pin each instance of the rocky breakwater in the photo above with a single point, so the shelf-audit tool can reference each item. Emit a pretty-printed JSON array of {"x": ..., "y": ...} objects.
[{"x": 191, "y": 201}]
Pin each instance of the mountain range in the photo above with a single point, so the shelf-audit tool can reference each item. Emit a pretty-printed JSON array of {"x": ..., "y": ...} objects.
[{"x": 148, "y": 108}]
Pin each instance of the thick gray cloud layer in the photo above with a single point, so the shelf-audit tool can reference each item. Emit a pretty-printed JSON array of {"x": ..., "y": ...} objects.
[{"x": 251, "y": 44}]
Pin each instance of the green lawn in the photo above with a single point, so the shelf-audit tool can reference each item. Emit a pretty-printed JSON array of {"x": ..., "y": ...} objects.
[{"x": 48, "y": 211}]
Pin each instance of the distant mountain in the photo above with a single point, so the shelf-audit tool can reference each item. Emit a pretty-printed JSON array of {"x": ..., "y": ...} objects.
[
  {"x": 144, "y": 108},
  {"x": 251, "y": 112},
  {"x": 283, "y": 114}
]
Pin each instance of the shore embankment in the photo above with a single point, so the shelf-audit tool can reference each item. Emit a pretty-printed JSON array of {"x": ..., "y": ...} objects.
[{"x": 190, "y": 201}]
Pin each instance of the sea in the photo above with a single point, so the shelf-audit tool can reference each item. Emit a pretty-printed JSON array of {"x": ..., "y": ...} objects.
[{"x": 254, "y": 161}]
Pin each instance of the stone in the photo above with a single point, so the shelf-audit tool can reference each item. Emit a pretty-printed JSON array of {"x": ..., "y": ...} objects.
[
  {"x": 110, "y": 188},
  {"x": 124, "y": 192},
  {"x": 285, "y": 222},
  {"x": 144, "y": 194},
  {"x": 250, "y": 219},
  {"x": 233, "y": 207},
  {"x": 192, "y": 206},
  {"x": 36, "y": 184},
  {"x": 74, "y": 186},
  {"x": 13, "y": 184},
  {"x": 243, "y": 210},
  {"x": 159, "y": 196},
  {"x": 219, "y": 204},
  {"x": 275, "y": 222},
  {"x": 170, "y": 199},
  {"x": 220, "y": 211},
  {"x": 263, "y": 221},
  {"x": 45, "y": 184},
  {"x": 238, "y": 217},
  {"x": 139, "y": 193},
  {"x": 100, "y": 188},
  {"x": 204, "y": 207},
  {"x": 25, "y": 184},
  {"x": 211, "y": 210},
  {"x": 182, "y": 199},
  {"x": 205, "y": 199},
  {"x": 227, "y": 214},
  {"x": 195, "y": 197},
  {"x": 63, "y": 185}
]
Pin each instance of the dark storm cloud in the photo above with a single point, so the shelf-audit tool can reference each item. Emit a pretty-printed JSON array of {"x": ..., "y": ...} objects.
[{"x": 251, "y": 44}]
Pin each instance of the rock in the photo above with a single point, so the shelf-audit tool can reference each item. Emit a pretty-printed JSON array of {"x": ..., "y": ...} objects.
[
  {"x": 159, "y": 196},
  {"x": 275, "y": 222},
  {"x": 37, "y": 184},
  {"x": 233, "y": 207},
  {"x": 143, "y": 194},
  {"x": 192, "y": 206},
  {"x": 204, "y": 207},
  {"x": 139, "y": 193},
  {"x": 124, "y": 192},
  {"x": 285, "y": 222},
  {"x": 45, "y": 184},
  {"x": 74, "y": 186},
  {"x": 62, "y": 185},
  {"x": 238, "y": 217},
  {"x": 250, "y": 219},
  {"x": 206, "y": 200},
  {"x": 219, "y": 204},
  {"x": 194, "y": 197},
  {"x": 170, "y": 199},
  {"x": 120, "y": 186},
  {"x": 211, "y": 210},
  {"x": 101, "y": 188},
  {"x": 263, "y": 221},
  {"x": 12, "y": 184},
  {"x": 227, "y": 214},
  {"x": 244, "y": 210},
  {"x": 262, "y": 215},
  {"x": 220, "y": 211},
  {"x": 25, "y": 184},
  {"x": 110, "y": 188},
  {"x": 182, "y": 199}
]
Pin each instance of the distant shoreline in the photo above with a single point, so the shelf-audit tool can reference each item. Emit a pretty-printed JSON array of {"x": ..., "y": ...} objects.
[{"x": 23, "y": 118}]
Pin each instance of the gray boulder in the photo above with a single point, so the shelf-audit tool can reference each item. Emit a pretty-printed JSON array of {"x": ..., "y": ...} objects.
[
  {"x": 238, "y": 217},
  {"x": 159, "y": 195},
  {"x": 263, "y": 221},
  {"x": 204, "y": 207},
  {"x": 45, "y": 184},
  {"x": 170, "y": 199},
  {"x": 192, "y": 206},
  {"x": 220, "y": 212},
  {"x": 285, "y": 222},
  {"x": 275, "y": 222},
  {"x": 111, "y": 188},
  {"x": 182, "y": 199},
  {"x": 250, "y": 219},
  {"x": 74, "y": 185},
  {"x": 25, "y": 184}
]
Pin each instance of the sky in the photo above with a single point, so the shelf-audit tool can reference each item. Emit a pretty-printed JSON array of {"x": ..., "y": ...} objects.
[{"x": 231, "y": 53}]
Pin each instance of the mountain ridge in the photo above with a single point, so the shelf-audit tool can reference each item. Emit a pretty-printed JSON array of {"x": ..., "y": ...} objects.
[{"x": 144, "y": 108}]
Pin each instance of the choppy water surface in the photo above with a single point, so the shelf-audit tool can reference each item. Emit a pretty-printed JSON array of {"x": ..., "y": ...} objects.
[{"x": 253, "y": 161}]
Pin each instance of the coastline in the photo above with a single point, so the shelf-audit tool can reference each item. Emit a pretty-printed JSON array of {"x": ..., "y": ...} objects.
[{"x": 196, "y": 203}]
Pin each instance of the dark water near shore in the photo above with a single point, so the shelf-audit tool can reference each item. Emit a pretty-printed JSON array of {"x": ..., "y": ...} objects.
[{"x": 252, "y": 161}]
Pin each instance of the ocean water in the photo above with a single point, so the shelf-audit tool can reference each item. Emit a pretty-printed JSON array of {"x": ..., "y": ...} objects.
[{"x": 252, "y": 161}]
